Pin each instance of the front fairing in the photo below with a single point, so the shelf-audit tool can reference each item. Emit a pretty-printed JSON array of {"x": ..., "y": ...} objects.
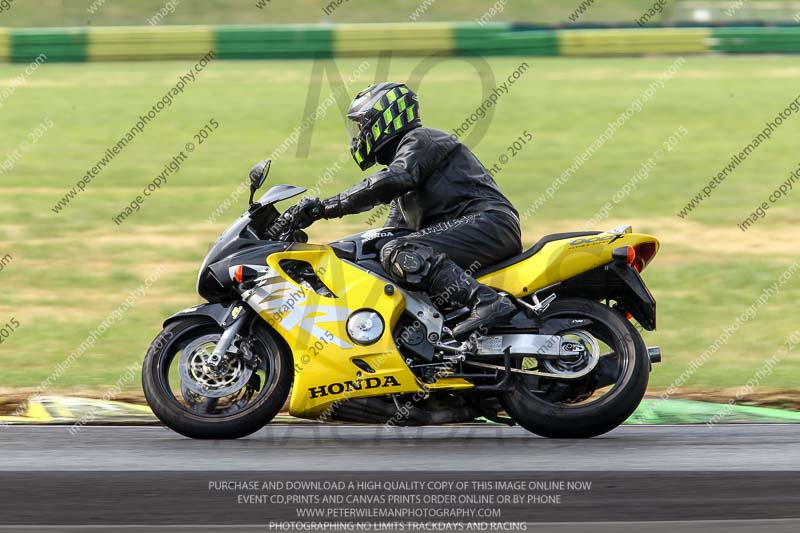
[
  {"x": 244, "y": 232},
  {"x": 232, "y": 233}
]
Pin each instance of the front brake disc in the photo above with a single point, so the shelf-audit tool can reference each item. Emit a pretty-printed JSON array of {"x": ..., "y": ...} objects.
[{"x": 198, "y": 378}]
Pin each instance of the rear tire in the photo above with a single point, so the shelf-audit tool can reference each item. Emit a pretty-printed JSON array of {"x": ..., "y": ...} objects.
[
  {"x": 584, "y": 421},
  {"x": 178, "y": 417}
]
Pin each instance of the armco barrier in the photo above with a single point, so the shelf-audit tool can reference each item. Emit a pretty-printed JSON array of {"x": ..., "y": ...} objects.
[
  {"x": 400, "y": 39},
  {"x": 59, "y": 44},
  {"x": 628, "y": 42},
  {"x": 756, "y": 40},
  {"x": 273, "y": 42},
  {"x": 177, "y": 42},
  {"x": 306, "y": 41},
  {"x": 5, "y": 46},
  {"x": 503, "y": 40}
]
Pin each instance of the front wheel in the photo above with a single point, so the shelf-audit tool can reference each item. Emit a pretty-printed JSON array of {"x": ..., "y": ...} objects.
[
  {"x": 237, "y": 399},
  {"x": 596, "y": 403}
]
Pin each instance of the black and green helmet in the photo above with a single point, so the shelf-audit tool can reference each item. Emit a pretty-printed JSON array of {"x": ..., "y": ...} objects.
[{"x": 376, "y": 116}]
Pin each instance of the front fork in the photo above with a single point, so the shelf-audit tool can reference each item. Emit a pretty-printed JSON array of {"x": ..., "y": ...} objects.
[{"x": 232, "y": 328}]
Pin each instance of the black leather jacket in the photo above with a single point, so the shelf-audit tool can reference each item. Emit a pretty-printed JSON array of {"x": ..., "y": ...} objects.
[{"x": 432, "y": 178}]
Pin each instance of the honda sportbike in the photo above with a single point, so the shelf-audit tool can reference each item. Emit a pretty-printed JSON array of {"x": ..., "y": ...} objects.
[{"x": 326, "y": 327}]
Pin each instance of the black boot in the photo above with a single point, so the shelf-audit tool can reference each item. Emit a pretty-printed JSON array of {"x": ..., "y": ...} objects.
[
  {"x": 488, "y": 308},
  {"x": 451, "y": 287}
]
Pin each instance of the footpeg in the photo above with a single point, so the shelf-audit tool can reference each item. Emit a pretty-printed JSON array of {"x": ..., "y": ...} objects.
[
  {"x": 540, "y": 306},
  {"x": 454, "y": 358}
]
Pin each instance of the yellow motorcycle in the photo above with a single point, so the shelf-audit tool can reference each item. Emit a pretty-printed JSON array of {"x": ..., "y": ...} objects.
[{"x": 325, "y": 325}]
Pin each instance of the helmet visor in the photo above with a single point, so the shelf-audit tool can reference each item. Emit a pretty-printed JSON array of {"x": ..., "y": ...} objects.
[{"x": 354, "y": 123}]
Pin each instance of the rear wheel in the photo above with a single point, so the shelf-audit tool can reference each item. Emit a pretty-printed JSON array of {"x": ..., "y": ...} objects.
[
  {"x": 239, "y": 398},
  {"x": 591, "y": 405}
]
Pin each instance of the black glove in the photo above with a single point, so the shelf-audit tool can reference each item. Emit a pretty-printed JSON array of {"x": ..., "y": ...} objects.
[{"x": 302, "y": 215}]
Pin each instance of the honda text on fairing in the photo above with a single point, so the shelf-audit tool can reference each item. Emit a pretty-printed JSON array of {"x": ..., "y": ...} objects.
[{"x": 326, "y": 325}]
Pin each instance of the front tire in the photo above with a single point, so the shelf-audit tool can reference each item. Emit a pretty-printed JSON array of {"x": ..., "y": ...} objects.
[
  {"x": 563, "y": 419},
  {"x": 192, "y": 415}
]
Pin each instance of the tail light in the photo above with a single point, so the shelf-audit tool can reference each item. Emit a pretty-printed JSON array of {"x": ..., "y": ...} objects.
[
  {"x": 624, "y": 253},
  {"x": 645, "y": 251}
]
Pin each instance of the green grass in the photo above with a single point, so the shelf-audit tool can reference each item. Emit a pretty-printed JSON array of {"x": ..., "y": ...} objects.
[
  {"x": 117, "y": 12},
  {"x": 69, "y": 271},
  {"x": 24, "y": 13}
]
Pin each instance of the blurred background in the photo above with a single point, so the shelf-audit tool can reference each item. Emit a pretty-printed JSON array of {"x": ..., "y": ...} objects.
[{"x": 634, "y": 107}]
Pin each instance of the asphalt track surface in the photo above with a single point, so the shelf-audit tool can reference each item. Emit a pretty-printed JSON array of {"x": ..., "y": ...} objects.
[
  {"x": 648, "y": 478},
  {"x": 311, "y": 447}
]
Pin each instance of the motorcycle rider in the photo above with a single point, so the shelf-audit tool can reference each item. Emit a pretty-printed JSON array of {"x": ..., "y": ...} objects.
[{"x": 437, "y": 188}]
